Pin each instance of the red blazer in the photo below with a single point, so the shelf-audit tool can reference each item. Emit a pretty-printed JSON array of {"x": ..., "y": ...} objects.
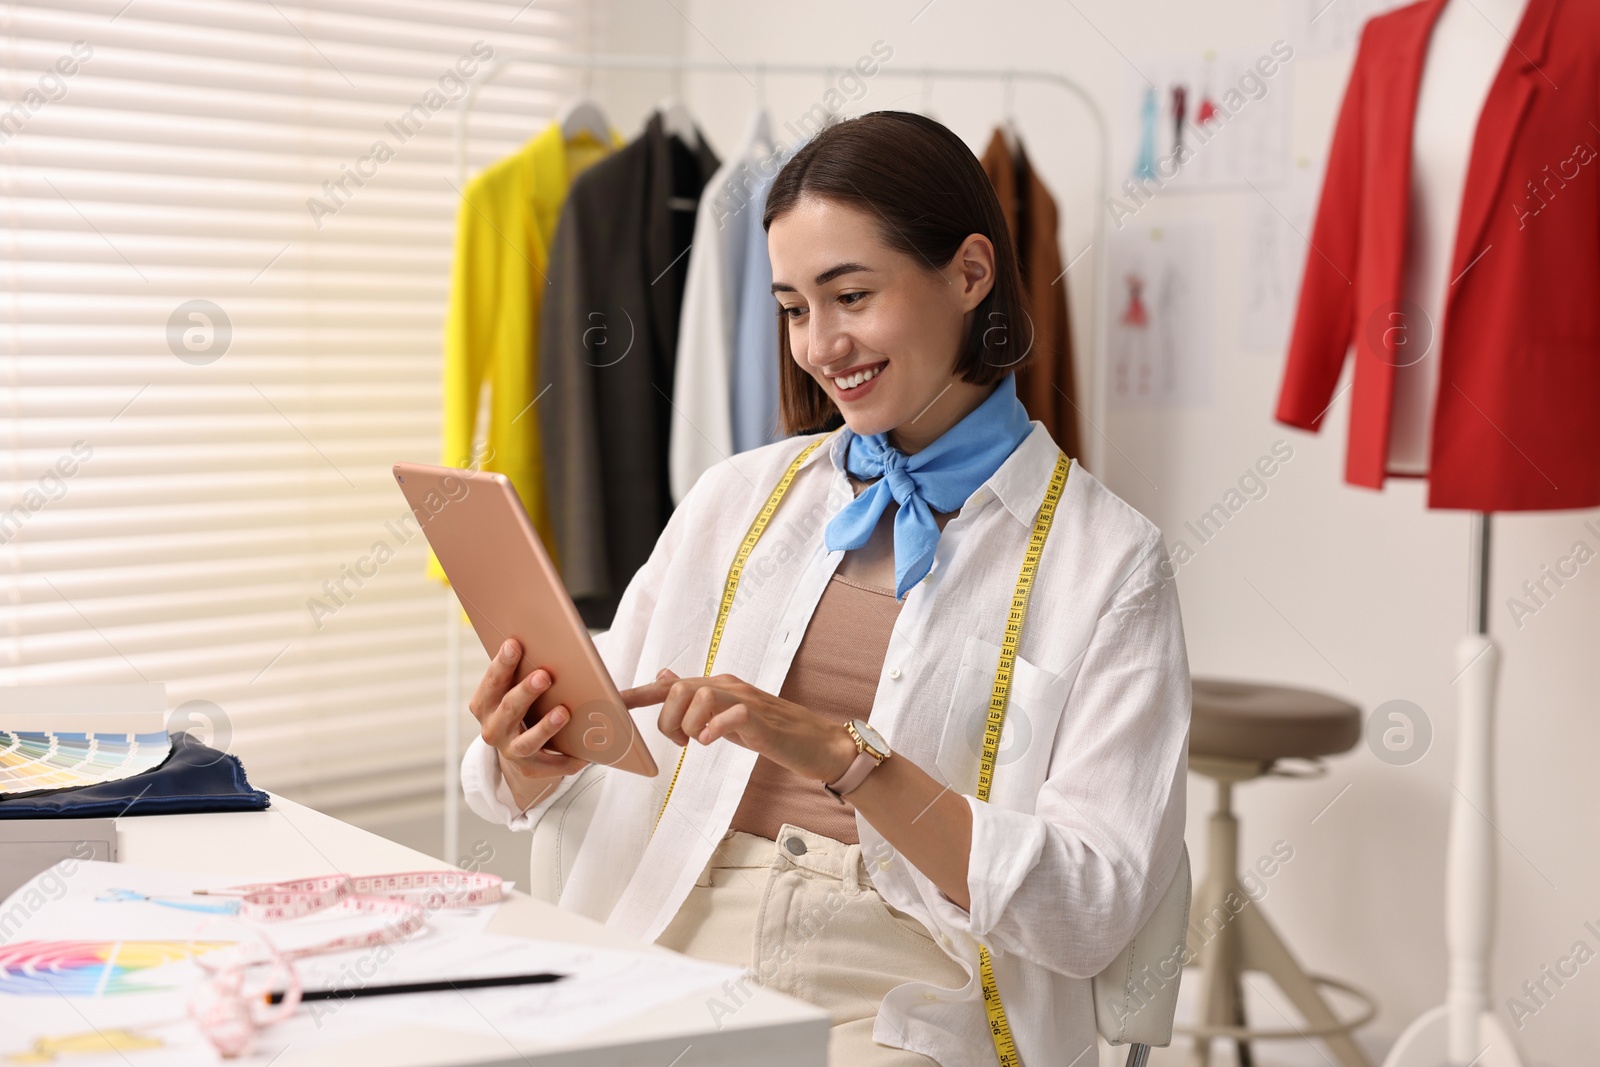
[{"x": 1517, "y": 416}]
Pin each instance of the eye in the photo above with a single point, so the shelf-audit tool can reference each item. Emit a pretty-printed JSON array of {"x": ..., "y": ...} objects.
[
  {"x": 791, "y": 312},
  {"x": 848, "y": 299}
]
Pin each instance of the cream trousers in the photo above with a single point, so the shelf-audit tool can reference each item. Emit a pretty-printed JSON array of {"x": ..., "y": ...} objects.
[{"x": 802, "y": 915}]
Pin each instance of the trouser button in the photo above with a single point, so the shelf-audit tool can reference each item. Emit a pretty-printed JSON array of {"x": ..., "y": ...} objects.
[{"x": 795, "y": 846}]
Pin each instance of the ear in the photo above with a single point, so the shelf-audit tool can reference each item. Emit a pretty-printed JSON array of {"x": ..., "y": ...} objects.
[{"x": 971, "y": 270}]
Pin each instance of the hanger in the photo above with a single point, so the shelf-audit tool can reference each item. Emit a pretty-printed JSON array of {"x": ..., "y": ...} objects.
[
  {"x": 676, "y": 120},
  {"x": 1008, "y": 124},
  {"x": 675, "y": 117},
  {"x": 581, "y": 115}
]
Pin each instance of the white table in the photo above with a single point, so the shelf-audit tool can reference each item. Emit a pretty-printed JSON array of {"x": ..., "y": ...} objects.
[{"x": 291, "y": 840}]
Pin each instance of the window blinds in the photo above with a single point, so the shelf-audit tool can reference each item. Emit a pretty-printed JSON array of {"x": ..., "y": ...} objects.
[{"x": 228, "y": 230}]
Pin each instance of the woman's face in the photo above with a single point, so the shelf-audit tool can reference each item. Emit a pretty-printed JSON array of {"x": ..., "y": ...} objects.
[{"x": 879, "y": 330}]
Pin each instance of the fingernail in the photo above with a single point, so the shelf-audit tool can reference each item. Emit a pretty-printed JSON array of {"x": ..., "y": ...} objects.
[
  {"x": 539, "y": 677},
  {"x": 559, "y": 716},
  {"x": 662, "y": 674},
  {"x": 507, "y": 652}
]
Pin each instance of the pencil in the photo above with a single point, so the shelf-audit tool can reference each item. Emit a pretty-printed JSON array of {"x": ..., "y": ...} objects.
[{"x": 421, "y": 987}]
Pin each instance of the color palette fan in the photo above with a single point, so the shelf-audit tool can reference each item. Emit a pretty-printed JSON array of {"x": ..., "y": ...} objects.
[
  {"x": 33, "y": 761},
  {"x": 90, "y": 968}
]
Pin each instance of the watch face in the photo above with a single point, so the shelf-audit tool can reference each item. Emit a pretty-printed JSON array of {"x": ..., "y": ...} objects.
[{"x": 871, "y": 737}]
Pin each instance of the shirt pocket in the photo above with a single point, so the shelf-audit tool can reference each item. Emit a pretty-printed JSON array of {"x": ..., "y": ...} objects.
[{"x": 1033, "y": 710}]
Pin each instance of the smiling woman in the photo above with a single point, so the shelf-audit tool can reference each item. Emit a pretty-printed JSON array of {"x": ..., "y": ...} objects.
[
  {"x": 929, "y": 743},
  {"x": 887, "y": 242}
]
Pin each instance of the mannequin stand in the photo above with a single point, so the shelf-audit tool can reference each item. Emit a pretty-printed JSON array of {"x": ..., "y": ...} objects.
[{"x": 1464, "y": 1030}]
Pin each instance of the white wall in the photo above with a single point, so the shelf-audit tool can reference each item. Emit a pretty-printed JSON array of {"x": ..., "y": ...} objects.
[{"x": 1358, "y": 593}]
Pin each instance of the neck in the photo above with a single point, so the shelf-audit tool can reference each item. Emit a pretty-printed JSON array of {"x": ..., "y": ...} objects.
[{"x": 955, "y": 402}]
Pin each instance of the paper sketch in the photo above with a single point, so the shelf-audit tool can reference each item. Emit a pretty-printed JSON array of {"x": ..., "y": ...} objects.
[
  {"x": 1277, "y": 240},
  {"x": 1206, "y": 120},
  {"x": 1320, "y": 26},
  {"x": 1161, "y": 318}
]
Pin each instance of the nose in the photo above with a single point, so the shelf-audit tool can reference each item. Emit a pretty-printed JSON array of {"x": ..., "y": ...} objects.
[{"x": 828, "y": 345}]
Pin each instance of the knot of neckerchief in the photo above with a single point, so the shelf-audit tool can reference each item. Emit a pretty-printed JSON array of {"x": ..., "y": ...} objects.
[{"x": 939, "y": 477}]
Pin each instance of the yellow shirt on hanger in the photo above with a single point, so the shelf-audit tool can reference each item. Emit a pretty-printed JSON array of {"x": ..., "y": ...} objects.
[{"x": 504, "y": 227}]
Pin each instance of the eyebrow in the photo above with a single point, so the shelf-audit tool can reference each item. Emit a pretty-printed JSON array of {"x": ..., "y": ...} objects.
[{"x": 825, "y": 277}]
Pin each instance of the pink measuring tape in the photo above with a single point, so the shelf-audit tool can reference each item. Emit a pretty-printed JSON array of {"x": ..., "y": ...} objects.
[
  {"x": 231, "y": 1016},
  {"x": 394, "y": 894}
]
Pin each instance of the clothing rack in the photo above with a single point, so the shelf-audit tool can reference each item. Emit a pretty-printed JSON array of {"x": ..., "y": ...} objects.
[{"x": 616, "y": 61}]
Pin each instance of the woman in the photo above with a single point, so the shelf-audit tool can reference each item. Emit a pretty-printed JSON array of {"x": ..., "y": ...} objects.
[{"x": 868, "y": 866}]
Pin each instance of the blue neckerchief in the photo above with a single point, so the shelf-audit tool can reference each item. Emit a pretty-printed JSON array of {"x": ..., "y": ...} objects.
[{"x": 937, "y": 478}]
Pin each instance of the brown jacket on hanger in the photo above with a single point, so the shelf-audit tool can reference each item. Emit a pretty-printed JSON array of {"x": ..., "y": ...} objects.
[{"x": 1047, "y": 387}]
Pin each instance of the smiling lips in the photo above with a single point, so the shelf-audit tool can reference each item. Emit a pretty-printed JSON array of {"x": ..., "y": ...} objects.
[{"x": 846, "y": 382}]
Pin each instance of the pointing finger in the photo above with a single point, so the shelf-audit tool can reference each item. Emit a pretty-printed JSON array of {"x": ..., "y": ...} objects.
[{"x": 643, "y": 696}]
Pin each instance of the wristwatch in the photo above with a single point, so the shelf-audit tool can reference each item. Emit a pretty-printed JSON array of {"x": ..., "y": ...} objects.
[{"x": 871, "y": 750}]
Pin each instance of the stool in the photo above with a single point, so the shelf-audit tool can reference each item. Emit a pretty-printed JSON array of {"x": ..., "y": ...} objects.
[{"x": 1240, "y": 731}]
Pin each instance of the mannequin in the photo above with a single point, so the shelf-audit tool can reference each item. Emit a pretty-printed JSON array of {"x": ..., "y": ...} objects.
[{"x": 1465, "y": 50}]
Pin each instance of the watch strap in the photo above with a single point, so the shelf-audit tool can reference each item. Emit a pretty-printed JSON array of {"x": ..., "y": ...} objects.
[{"x": 862, "y": 766}]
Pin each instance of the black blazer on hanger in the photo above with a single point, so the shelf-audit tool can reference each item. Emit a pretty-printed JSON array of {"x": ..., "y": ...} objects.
[{"x": 607, "y": 348}]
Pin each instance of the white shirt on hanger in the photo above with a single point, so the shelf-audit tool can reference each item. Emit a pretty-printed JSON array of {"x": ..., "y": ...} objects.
[
  {"x": 1084, "y": 826},
  {"x": 702, "y": 384}
]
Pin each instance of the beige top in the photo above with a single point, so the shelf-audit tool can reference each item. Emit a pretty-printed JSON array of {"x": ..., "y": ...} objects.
[{"x": 835, "y": 674}]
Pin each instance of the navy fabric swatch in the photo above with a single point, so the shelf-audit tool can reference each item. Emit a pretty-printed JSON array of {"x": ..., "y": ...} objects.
[{"x": 196, "y": 777}]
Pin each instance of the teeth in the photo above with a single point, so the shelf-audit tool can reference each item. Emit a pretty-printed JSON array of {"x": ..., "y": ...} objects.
[{"x": 857, "y": 378}]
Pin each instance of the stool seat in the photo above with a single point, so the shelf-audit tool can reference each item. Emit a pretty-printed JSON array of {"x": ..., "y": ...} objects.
[
  {"x": 1251, "y": 721},
  {"x": 1238, "y": 732}
]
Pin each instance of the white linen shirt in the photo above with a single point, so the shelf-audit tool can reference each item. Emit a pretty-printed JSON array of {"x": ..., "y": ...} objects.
[
  {"x": 702, "y": 416},
  {"x": 1084, "y": 825}
]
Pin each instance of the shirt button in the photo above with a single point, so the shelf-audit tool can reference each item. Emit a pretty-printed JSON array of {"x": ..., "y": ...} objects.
[
  {"x": 930, "y": 996},
  {"x": 894, "y": 672}
]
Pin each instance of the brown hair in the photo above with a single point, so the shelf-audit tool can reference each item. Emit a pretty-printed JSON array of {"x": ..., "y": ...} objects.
[{"x": 930, "y": 193}]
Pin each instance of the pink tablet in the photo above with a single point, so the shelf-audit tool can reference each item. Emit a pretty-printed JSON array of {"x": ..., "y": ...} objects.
[{"x": 508, "y": 587}]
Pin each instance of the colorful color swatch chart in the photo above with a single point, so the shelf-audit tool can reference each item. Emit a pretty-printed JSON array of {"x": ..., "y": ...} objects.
[
  {"x": 33, "y": 761},
  {"x": 89, "y": 968}
]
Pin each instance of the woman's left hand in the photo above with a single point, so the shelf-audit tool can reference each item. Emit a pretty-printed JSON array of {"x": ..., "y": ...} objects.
[{"x": 725, "y": 706}]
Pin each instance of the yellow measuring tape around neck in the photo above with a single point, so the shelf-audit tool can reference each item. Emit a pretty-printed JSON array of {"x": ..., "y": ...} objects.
[
  {"x": 731, "y": 586},
  {"x": 1005, "y": 1047}
]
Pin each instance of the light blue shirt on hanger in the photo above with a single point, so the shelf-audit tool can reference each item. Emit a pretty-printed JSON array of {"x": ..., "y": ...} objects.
[{"x": 754, "y": 384}]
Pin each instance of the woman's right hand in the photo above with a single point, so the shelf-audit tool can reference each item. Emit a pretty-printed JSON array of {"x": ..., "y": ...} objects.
[{"x": 530, "y": 769}]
